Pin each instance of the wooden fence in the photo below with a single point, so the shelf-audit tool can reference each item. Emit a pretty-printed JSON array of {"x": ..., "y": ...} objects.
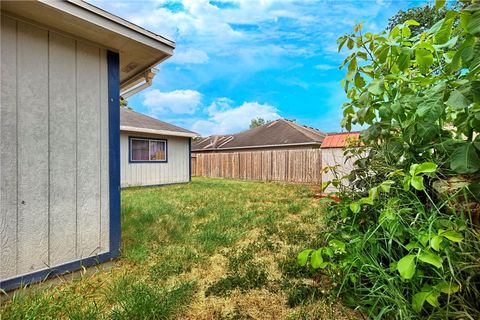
[{"x": 278, "y": 165}]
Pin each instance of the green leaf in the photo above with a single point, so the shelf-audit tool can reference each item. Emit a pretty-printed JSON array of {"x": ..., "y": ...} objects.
[
  {"x": 412, "y": 245},
  {"x": 447, "y": 288},
  {"x": 418, "y": 300},
  {"x": 406, "y": 183},
  {"x": 457, "y": 100},
  {"x": 432, "y": 299},
  {"x": 352, "y": 66},
  {"x": 443, "y": 34},
  {"x": 406, "y": 266},
  {"x": 355, "y": 207},
  {"x": 451, "y": 235},
  {"x": 337, "y": 245},
  {"x": 411, "y": 23},
  {"x": 303, "y": 257},
  {"x": 417, "y": 182},
  {"x": 403, "y": 61},
  {"x": 465, "y": 159},
  {"x": 359, "y": 81},
  {"x": 435, "y": 242},
  {"x": 413, "y": 169},
  {"x": 431, "y": 107},
  {"x": 350, "y": 43},
  {"x": 341, "y": 41},
  {"x": 366, "y": 200},
  {"x": 439, "y": 4},
  {"x": 426, "y": 167},
  {"x": 473, "y": 26},
  {"x": 316, "y": 259},
  {"x": 424, "y": 59},
  {"x": 376, "y": 87},
  {"x": 430, "y": 258},
  {"x": 406, "y": 32},
  {"x": 325, "y": 184},
  {"x": 386, "y": 185}
]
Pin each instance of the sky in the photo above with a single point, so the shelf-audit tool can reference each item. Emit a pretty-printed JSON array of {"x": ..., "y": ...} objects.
[{"x": 236, "y": 60}]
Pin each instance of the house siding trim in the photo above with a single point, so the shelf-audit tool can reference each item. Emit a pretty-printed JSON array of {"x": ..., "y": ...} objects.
[
  {"x": 114, "y": 188},
  {"x": 146, "y": 161},
  {"x": 190, "y": 159}
]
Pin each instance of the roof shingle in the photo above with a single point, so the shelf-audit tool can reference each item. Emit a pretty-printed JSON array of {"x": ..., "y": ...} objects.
[
  {"x": 137, "y": 122},
  {"x": 273, "y": 134}
]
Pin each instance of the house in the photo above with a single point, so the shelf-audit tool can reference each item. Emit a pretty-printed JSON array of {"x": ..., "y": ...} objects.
[
  {"x": 281, "y": 150},
  {"x": 281, "y": 134},
  {"x": 333, "y": 148},
  {"x": 63, "y": 67},
  {"x": 153, "y": 152}
]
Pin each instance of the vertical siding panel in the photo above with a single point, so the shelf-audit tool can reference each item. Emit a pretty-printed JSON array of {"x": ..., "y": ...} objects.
[
  {"x": 32, "y": 148},
  {"x": 62, "y": 149},
  {"x": 88, "y": 150},
  {"x": 8, "y": 149},
  {"x": 104, "y": 156},
  {"x": 123, "y": 165},
  {"x": 175, "y": 170}
]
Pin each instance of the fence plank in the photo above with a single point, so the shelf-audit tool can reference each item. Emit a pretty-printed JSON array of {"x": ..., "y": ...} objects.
[{"x": 302, "y": 166}]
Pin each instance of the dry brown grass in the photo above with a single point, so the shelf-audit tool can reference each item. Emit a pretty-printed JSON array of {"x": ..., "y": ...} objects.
[{"x": 188, "y": 234}]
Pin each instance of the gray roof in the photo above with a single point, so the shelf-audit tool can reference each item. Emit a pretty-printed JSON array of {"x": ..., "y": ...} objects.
[
  {"x": 278, "y": 133},
  {"x": 137, "y": 122}
]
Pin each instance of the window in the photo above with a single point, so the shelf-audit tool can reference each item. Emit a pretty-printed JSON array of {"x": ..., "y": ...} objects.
[{"x": 148, "y": 150}]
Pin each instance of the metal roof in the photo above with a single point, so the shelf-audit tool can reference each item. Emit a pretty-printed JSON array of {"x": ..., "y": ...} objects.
[{"x": 340, "y": 139}]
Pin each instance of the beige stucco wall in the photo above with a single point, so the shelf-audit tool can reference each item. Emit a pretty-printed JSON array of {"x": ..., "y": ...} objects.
[
  {"x": 54, "y": 168},
  {"x": 175, "y": 170}
]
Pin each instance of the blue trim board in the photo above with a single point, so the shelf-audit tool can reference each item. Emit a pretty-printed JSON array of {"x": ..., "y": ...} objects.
[
  {"x": 42, "y": 275},
  {"x": 190, "y": 159},
  {"x": 146, "y": 161},
  {"x": 114, "y": 172},
  {"x": 113, "y": 61}
]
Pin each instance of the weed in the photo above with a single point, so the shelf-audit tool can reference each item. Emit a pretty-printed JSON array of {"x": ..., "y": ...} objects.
[
  {"x": 174, "y": 260},
  {"x": 294, "y": 208},
  {"x": 252, "y": 278},
  {"x": 142, "y": 301}
]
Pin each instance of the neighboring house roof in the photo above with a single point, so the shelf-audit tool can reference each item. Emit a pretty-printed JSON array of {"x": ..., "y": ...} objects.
[
  {"x": 139, "y": 49},
  {"x": 278, "y": 133},
  {"x": 136, "y": 122},
  {"x": 340, "y": 139}
]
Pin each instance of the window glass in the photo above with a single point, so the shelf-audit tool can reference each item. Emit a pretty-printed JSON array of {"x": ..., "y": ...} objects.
[
  {"x": 157, "y": 150},
  {"x": 148, "y": 150},
  {"x": 139, "y": 150}
]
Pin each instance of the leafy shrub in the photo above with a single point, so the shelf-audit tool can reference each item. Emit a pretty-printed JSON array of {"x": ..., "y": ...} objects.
[{"x": 396, "y": 247}]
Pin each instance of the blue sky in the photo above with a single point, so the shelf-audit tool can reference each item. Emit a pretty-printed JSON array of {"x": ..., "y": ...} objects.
[{"x": 240, "y": 59}]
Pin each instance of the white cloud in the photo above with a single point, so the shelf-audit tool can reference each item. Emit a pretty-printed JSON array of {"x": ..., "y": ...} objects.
[
  {"x": 225, "y": 118},
  {"x": 324, "y": 67},
  {"x": 190, "y": 56},
  {"x": 177, "y": 102},
  {"x": 220, "y": 104}
]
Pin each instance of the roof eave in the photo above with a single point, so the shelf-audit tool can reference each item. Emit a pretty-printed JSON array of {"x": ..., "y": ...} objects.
[
  {"x": 139, "y": 49},
  {"x": 260, "y": 146},
  {"x": 159, "y": 132}
]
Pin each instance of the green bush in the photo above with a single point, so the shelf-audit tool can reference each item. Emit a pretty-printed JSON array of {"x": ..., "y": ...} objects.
[{"x": 397, "y": 247}]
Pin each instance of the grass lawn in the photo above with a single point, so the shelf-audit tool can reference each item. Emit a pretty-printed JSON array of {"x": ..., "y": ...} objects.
[{"x": 211, "y": 249}]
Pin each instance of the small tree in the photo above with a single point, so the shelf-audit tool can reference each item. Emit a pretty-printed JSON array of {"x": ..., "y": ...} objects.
[{"x": 257, "y": 122}]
